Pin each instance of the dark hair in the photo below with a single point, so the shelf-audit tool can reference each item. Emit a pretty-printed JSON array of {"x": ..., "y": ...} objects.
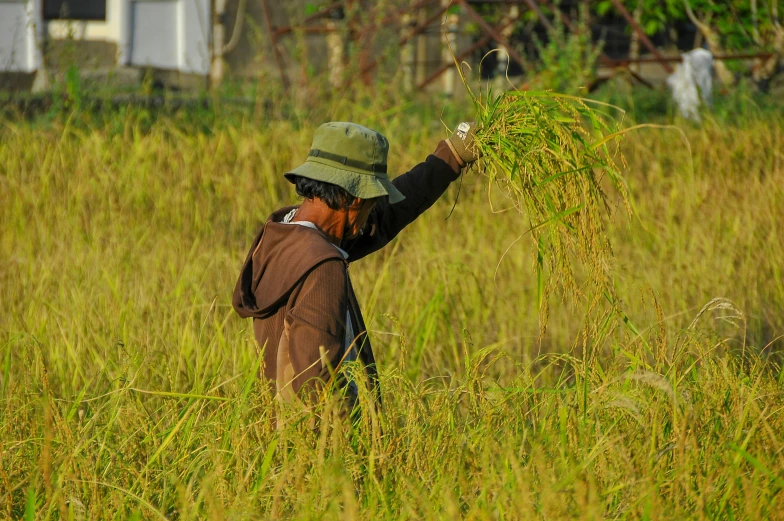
[{"x": 334, "y": 196}]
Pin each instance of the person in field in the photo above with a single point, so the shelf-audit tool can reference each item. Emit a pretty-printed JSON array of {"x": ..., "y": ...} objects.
[{"x": 295, "y": 281}]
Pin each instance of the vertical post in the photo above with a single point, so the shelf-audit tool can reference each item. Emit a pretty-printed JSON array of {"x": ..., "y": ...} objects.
[
  {"x": 123, "y": 23},
  {"x": 336, "y": 52},
  {"x": 35, "y": 32},
  {"x": 634, "y": 42},
  {"x": 218, "y": 36},
  {"x": 181, "y": 35},
  {"x": 32, "y": 31},
  {"x": 450, "y": 45}
]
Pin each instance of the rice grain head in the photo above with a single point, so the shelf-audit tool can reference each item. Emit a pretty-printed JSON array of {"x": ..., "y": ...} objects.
[{"x": 553, "y": 155}]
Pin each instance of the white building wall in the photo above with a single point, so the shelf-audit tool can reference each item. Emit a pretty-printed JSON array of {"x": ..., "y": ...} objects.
[
  {"x": 153, "y": 30},
  {"x": 19, "y": 39},
  {"x": 167, "y": 34},
  {"x": 170, "y": 34},
  {"x": 194, "y": 36}
]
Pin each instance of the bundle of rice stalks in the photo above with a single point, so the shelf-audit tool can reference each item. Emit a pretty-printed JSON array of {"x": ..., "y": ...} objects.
[{"x": 554, "y": 156}]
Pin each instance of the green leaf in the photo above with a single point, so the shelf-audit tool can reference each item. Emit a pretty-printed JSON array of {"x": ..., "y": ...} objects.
[
  {"x": 603, "y": 7},
  {"x": 561, "y": 174},
  {"x": 559, "y": 217},
  {"x": 651, "y": 27},
  {"x": 30, "y": 504},
  {"x": 311, "y": 9},
  {"x": 757, "y": 464},
  {"x": 539, "y": 273},
  {"x": 266, "y": 463}
]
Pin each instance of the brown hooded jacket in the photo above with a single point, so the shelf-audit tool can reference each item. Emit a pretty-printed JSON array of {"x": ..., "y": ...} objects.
[{"x": 295, "y": 284}]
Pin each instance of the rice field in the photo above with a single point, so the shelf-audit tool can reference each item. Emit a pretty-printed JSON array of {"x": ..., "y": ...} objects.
[{"x": 129, "y": 388}]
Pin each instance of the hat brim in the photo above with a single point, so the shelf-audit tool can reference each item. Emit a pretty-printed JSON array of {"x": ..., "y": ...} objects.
[{"x": 361, "y": 185}]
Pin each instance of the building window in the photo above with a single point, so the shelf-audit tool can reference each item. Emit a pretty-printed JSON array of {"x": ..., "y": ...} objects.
[{"x": 74, "y": 9}]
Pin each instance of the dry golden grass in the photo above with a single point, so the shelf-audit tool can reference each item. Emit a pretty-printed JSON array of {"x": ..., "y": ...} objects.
[{"x": 129, "y": 389}]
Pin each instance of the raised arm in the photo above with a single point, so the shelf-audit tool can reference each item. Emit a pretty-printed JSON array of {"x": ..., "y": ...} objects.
[{"x": 422, "y": 186}]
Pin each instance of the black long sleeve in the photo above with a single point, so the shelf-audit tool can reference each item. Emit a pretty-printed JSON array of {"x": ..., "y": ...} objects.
[{"x": 422, "y": 186}]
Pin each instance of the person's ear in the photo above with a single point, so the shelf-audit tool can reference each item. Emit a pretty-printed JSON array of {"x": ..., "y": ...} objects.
[{"x": 356, "y": 204}]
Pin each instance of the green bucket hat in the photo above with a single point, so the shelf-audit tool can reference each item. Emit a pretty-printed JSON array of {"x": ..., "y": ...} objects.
[{"x": 352, "y": 157}]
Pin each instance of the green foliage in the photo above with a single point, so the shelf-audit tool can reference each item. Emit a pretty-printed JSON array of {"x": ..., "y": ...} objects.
[
  {"x": 73, "y": 88},
  {"x": 735, "y": 21},
  {"x": 311, "y": 8},
  {"x": 656, "y": 15},
  {"x": 742, "y": 24},
  {"x": 29, "y": 512},
  {"x": 639, "y": 103},
  {"x": 568, "y": 60}
]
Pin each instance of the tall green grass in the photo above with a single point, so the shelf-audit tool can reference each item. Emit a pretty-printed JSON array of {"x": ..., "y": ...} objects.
[{"x": 129, "y": 388}]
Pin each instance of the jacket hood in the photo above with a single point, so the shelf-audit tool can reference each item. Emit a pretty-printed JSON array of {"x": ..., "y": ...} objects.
[{"x": 281, "y": 255}]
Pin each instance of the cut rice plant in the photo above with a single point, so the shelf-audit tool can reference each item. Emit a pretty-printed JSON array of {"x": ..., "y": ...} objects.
[{"x": 553, "y": 156}]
